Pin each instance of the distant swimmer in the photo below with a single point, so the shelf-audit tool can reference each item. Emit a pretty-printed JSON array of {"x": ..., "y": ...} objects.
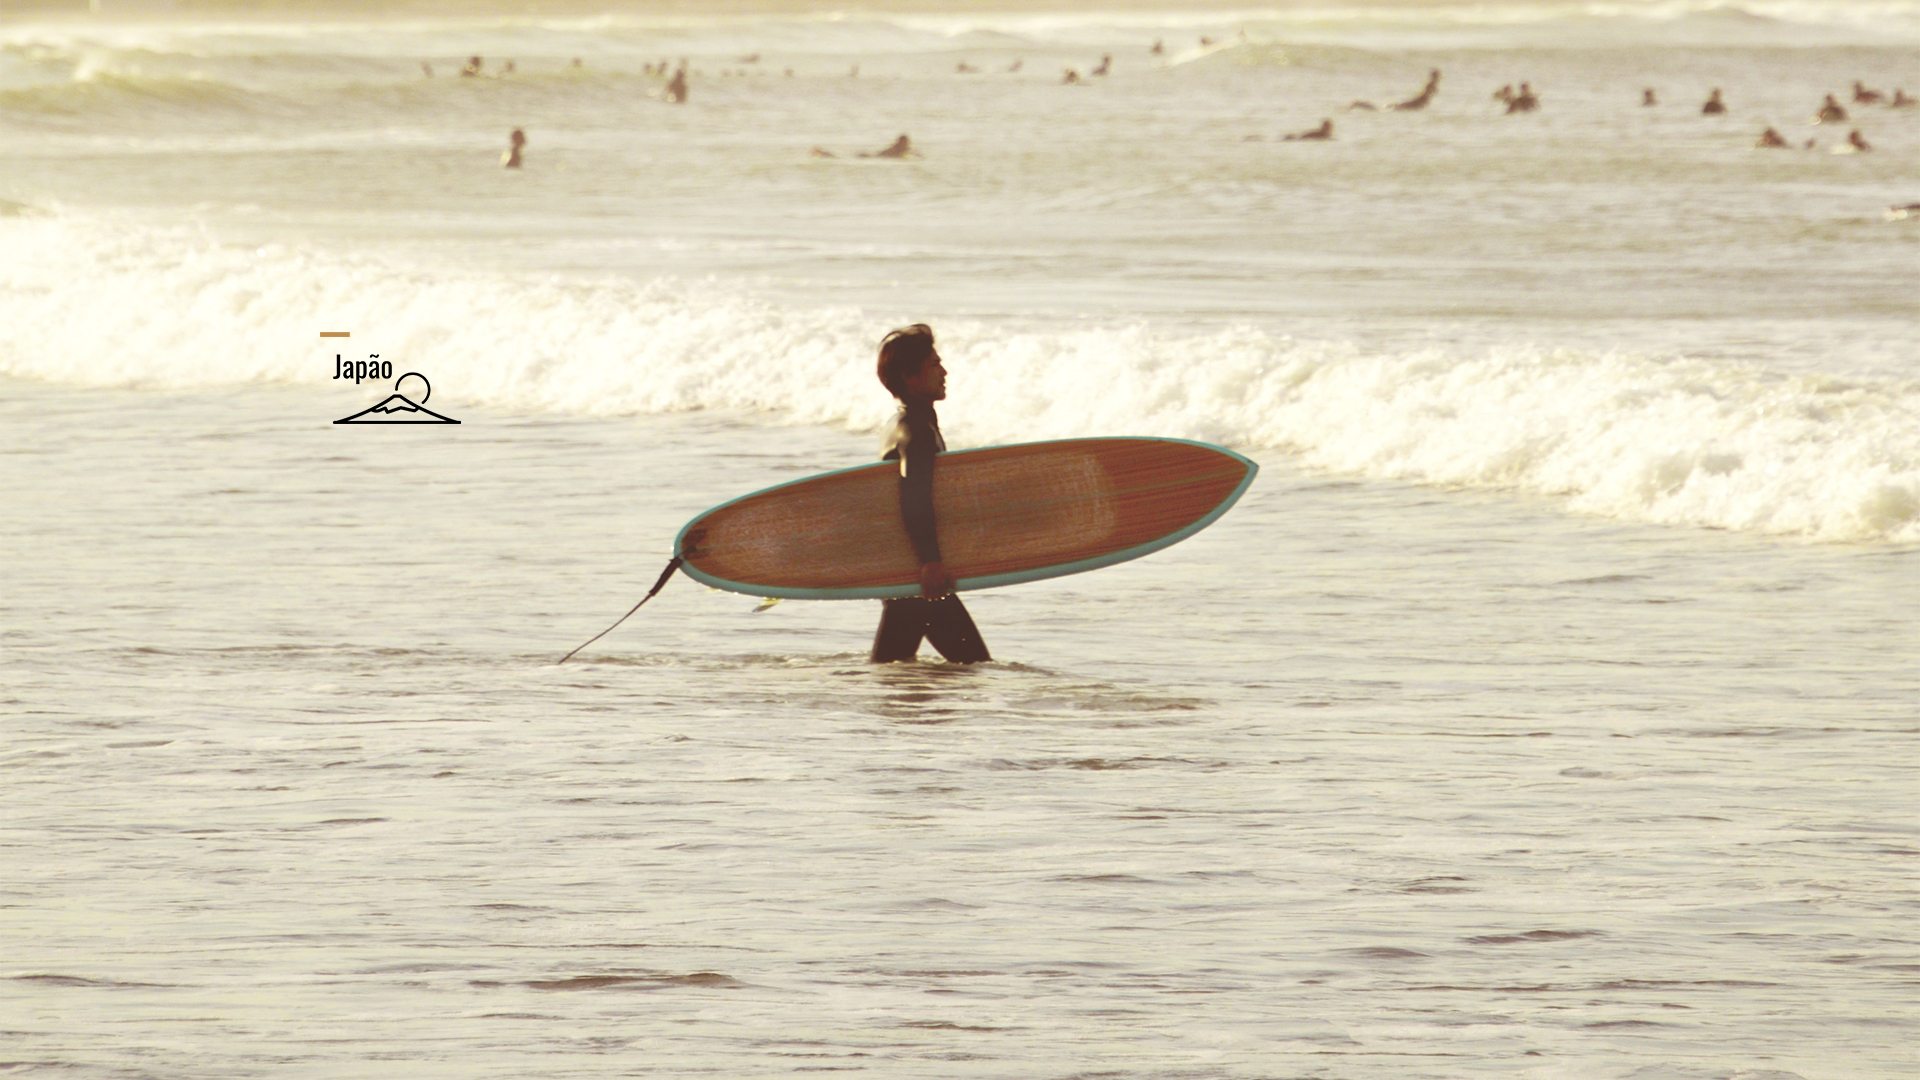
[
  {"x": 1505, "y": 94},
  {"x": 1771, "y": 140},
  {"x": 1714, "y": 106},
  {"x": 1159, "y": 47},
  {"x": 964, "y": 68},
  {"x": 576, "y": 64},
  {"x": 677, "y": 86},
  {"x": 1830, "y": 112},
  {"x": 1648, "y": 97},
  {"x": 1106, "y": 64},
  {"x": 1524, "y": 101},
  {"x": 1856, "y": 144},
  {"x": 1070, "y": 78},
  {"x": 1420, "y": 100},
  {"x": 855, "y": 73},
  {"x": 1864, "y": 96},
  {"x": 473, "y": 67},
  {"x": 511, "y": 159},
  {"x": 1319, "y": 134},
  {"x": 820, "y": 151},
  {"x": 1014, "y": 68},
  {"x": 508, "y": 70},
  {"x": 426, "y": 67},
  {"x": 901, "y": 147},
  {"x": 1901, "y": 100}
]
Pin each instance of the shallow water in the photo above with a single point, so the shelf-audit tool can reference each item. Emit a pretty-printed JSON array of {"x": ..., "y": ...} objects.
[{"x": 1451, "y": 786}]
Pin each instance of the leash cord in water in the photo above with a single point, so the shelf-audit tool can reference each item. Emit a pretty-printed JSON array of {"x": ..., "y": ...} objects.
[{"x": 657, "y": 586}]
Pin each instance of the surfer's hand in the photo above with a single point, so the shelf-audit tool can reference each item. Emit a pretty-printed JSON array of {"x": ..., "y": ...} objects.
[{"x": 935, "y": 582}]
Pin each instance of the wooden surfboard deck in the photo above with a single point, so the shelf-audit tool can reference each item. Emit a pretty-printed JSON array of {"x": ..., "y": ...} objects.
[{"x": 1005, "y": 514}]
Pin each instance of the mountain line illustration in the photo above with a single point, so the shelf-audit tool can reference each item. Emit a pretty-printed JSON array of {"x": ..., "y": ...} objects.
[{"x": 398, "y": 408}]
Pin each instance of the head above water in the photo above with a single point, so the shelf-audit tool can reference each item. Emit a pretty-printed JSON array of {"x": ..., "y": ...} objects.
[{"x": 909, "y": 367}]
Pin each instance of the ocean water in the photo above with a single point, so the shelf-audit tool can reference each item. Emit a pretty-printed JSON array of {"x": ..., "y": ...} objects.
[{"x": 1548, "y": 708}]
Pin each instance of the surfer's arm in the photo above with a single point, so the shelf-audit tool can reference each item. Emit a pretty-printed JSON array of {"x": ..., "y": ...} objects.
[
  {"x": 916, "y": 499},
  {"x": 916, "y": 511}
]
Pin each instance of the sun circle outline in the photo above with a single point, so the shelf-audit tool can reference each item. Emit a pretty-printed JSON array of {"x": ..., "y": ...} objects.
[{"x": 414, "y": 375}]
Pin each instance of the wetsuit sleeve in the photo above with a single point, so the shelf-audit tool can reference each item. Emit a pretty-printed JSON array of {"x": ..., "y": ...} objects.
[{"x": 916, "y": 491}]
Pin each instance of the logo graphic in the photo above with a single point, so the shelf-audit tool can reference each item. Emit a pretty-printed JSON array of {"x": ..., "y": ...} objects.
[{"x": 398, "y": 408}]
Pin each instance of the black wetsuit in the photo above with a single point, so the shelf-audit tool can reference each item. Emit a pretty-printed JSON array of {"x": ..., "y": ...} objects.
[{"x": 905, "y": 621}]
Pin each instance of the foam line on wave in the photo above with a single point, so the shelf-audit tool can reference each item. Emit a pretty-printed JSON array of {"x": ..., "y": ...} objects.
[{"x": 1664, "y": 439}]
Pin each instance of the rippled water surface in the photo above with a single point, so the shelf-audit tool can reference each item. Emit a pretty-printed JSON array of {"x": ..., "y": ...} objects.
[{"x": 1434, "y": 785}]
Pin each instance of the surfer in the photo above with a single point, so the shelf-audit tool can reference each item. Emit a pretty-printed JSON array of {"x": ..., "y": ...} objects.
[
  {"x": 1648, "y": 97},
  {"x": 1771, "y": 140},
  {"x": 1419, "y": 101},
  {"x": 1715, "y": 105},
  {"x": 511, "y": 159},
  {"x": 1830, "y": 112},
  {"x": 910, "y": 369},
  {"x": 1321, "y": 133},
  {"x": 676, "y": 93},
  {"x": 901, "y": 147}
]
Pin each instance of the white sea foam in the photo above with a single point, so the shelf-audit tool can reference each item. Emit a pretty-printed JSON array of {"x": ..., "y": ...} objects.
[{"x": 1653, "y": 438}]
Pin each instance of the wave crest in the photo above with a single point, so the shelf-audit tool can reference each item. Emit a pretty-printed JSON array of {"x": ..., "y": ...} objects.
[{"x": 1664, "y": 439}]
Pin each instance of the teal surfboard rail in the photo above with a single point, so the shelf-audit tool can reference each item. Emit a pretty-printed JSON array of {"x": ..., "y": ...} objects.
[{"x": 985, "y": 581}]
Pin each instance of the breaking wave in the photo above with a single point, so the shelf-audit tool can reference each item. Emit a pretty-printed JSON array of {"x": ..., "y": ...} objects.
[{"x": 1664, "y": 439}]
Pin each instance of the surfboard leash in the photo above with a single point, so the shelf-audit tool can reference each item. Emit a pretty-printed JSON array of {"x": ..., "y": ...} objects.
[{"x": 657, "y": 586}]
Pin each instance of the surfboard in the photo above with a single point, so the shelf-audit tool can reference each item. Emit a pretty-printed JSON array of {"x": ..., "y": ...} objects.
[{"x": 1005, "y": 515}]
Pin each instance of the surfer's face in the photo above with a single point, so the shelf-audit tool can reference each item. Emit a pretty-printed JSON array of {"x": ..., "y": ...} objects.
[{"x": 930, "y": 382}]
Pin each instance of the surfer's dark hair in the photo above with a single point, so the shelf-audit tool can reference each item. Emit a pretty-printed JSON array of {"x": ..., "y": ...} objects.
[{"x": 901, "y": 355}]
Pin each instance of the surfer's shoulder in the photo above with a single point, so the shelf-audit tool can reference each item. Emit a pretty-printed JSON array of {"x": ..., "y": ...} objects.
[
  {"x": 912, "y": 427},
  {"x": 899, "y": 434}
]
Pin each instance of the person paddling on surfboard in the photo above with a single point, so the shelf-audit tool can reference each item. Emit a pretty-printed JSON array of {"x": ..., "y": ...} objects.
[{"x": 910, "y": 369}]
